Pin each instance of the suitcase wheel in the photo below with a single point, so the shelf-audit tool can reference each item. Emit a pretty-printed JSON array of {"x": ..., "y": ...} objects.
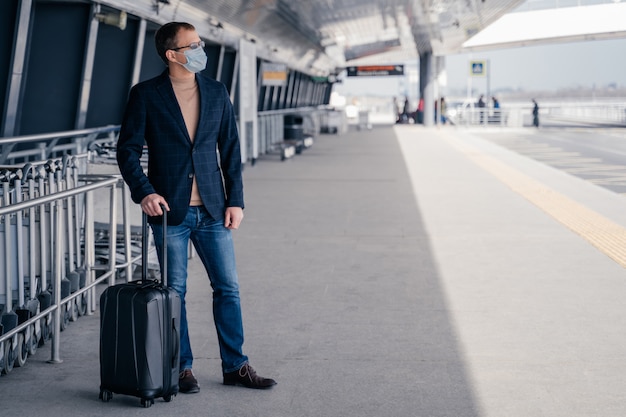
[
  {"x": 65, "y": 317},
  {"x": 73, "y": 310},
  {"x": 21, "y": 351},
  {"x": 106, "y": 395},
  {"x": 167, "y": 398},
  {"x": 3, "y": 356},
  {"x": 34, "y": 340},
  {"x": 9, "y": 357},
  {"x": 82, "y": 310},
  {"x": 147, "y": 403},
  {"x": 46, "y": 330}
]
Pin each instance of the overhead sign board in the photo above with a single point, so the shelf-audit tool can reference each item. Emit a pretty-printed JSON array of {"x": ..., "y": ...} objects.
[
  {"x": 273, "y": 74},
  {"x": 478, "y": 68},
  {"x": 375, "y": 70}
]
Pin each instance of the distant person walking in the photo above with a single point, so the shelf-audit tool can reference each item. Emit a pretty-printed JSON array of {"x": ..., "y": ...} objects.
[
  {"x": 535, "y": 113},
  {"x": 420, "y": 111},
  {"x": 496, "y": 110},
  {"x": 443, "y": 109},
  {"x": 405, "y": 111},
  {"x": 481, "y": 108},
  {"x": 396, "y": 108}
]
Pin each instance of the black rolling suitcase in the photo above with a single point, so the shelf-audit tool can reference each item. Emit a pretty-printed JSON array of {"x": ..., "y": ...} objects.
[{"x": 139, "y": 335}]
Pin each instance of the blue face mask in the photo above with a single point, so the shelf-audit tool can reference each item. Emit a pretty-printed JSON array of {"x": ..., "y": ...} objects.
[{"x": 196, "y": 60}]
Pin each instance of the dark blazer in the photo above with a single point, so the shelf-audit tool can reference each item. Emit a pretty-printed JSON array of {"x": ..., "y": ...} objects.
[{"x": 153, "y": 117}]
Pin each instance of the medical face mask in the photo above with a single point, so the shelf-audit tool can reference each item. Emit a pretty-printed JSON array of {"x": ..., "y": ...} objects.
[{"x": 196, "y": 60}]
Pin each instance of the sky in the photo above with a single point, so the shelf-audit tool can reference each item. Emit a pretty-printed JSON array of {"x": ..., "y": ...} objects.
[
  {"x": 535, "y": 68},
  {"x": 547, "y": 67}
]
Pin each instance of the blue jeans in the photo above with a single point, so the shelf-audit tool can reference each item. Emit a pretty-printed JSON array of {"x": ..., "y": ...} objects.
[{"x": 214, "y": 245}]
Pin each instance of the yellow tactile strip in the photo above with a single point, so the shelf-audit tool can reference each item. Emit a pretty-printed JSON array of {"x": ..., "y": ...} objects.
[{"x": 606, "y": 235}]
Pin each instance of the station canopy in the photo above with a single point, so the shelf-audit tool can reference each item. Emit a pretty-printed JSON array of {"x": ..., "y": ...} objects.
[{"x": 322, "y": 36}]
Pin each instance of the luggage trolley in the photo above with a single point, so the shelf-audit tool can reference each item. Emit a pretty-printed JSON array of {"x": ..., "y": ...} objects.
[
  {"x": 332, "y": 121},
  {"x": 27, "y": 240},
  {"x": 364, "y": 120},
  {"x": 9, "y": 348}
]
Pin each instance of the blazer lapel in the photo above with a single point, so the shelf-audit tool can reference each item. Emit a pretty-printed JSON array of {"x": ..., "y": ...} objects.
[
  {"x": 164, "y": 88},
  {"x": 204, "y": 94}
]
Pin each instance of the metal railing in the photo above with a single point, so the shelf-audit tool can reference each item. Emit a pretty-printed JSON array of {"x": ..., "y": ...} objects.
[
  {"x": 607, "y": 113},
  {"x": 51, "y": 145},
  {"x": 271, "y": 127},
  {"x": 54, "y": 203},
  {"x": 46, "y": 213}
]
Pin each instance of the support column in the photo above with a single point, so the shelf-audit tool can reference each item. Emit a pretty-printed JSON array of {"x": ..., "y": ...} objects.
[
  {"x": 18, "y": 68},
  {"x": 427, "y": 85},
  {"x": 248, "y": 118},
  {"x": 439, "y": 69}
]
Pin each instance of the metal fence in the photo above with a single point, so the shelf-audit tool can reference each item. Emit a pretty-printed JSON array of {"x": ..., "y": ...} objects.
[
  {"x": 46, "y": 279},
  {"x": 22, "y": 149},
  {"x": 52, "y": 254},
  {"x": 608, "y": 113},
  {"x": 277, "y": 131}
]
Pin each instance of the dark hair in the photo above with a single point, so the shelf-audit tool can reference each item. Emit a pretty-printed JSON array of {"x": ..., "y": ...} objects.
[{"x": 165, "y": 37}]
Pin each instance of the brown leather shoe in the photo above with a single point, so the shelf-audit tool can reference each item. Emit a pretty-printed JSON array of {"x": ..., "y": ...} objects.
[
  {"x": 187, "y": 383},
  {"x": 247, "y": 377}
]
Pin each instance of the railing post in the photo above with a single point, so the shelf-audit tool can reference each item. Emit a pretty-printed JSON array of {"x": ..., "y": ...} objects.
[
  {"x": 56, "y": 334},
  {"x": 112, "y": 234},
  {"x": 90, "y": 254}
]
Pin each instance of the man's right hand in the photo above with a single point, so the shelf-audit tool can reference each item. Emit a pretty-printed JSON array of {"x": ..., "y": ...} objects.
[{"x": 151, "y": 205}]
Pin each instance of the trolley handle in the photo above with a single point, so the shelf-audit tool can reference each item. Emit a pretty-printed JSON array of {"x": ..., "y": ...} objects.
[{"x": 144, "y": 248}]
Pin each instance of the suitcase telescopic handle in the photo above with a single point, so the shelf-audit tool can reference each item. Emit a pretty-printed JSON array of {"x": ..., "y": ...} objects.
[{"x": 144, "y": 248}]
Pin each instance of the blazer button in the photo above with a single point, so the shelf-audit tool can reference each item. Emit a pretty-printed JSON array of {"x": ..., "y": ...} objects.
[{"x": 190, "y": 176}]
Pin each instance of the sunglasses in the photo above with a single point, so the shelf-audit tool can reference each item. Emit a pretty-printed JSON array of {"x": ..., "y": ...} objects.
[{"x": 192, "y": 45}]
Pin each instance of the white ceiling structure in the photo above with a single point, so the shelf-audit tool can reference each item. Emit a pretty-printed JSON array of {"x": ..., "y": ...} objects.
[
  {"x": 567, "y": 24},
  {"x": 348, "y": 32},
  {"x": 320, "y": 37}
]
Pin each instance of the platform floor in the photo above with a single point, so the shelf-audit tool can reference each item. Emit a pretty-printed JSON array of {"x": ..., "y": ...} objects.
[{"x": 399, "y": 271}]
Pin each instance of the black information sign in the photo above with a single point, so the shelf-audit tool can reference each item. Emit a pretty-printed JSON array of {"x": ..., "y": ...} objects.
[{"x": 375, "y": 70}]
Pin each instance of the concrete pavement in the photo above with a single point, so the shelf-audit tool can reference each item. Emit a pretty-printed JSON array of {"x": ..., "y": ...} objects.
[{"x": 396, "y": 272}]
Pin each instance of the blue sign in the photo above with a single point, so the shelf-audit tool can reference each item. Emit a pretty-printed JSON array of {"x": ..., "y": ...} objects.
[{"x": 478, "y": 68}]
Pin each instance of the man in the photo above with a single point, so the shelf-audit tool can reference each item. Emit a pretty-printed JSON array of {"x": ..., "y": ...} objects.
[
  {"x": 481, "y": 106},
  {"x": 187, "y": 120}
]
